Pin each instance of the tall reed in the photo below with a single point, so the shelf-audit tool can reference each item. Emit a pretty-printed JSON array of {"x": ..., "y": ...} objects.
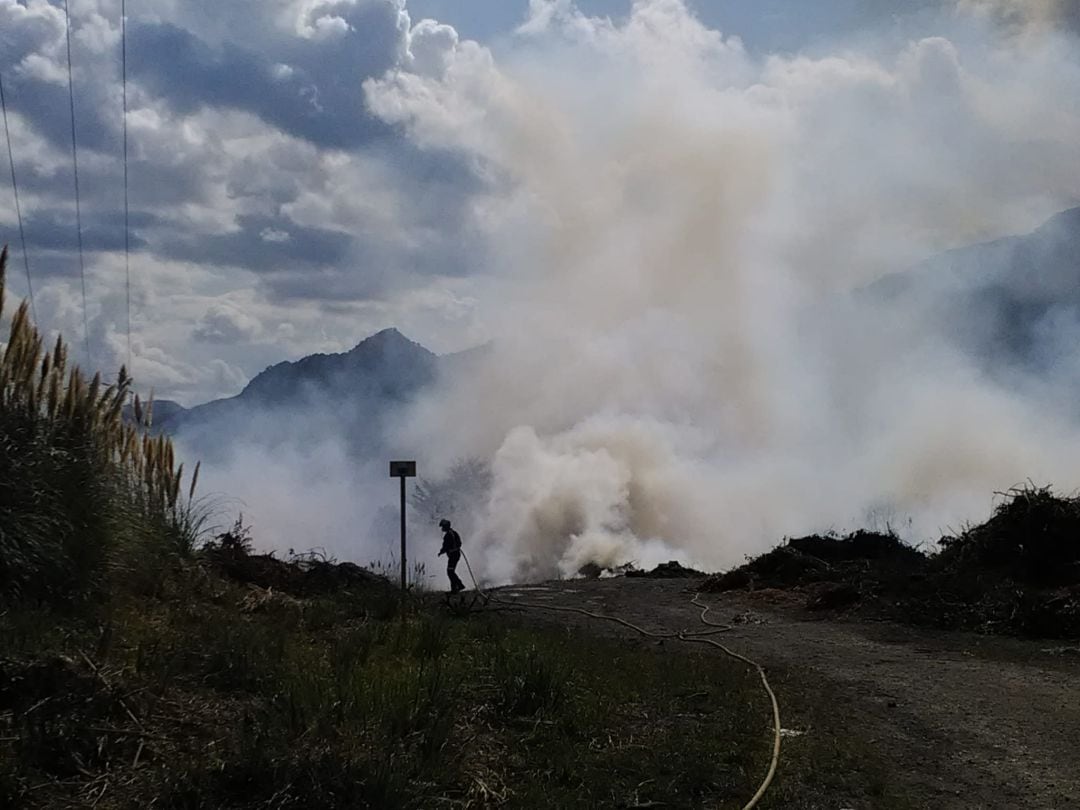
[{"x": 82, "y": 483}]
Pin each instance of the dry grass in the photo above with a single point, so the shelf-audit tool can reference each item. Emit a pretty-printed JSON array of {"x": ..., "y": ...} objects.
[{"x": 81, "y": 485}]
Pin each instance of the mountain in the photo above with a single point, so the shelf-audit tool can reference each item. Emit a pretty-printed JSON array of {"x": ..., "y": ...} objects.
[
  {"x": 387, "y": 365},
  {"x": 165, "y": 411},
  {"x": 355, "y": 395},
  {"x": 1010, "y": 302}
]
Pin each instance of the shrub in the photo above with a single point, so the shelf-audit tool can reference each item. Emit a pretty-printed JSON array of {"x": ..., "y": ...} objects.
[{"x": 81, "y": 487}]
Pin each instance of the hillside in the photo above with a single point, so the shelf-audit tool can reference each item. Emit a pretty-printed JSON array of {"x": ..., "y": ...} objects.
[
  {"x": 1010, "y": 303},
  {"x": 352, "y": 394}
]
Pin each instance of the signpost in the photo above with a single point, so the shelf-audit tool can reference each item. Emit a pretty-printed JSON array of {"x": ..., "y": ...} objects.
[{"x": 402, "y": 470}]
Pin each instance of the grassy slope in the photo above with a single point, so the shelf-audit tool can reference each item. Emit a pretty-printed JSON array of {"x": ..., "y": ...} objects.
[{"x": 213, "y": 695}]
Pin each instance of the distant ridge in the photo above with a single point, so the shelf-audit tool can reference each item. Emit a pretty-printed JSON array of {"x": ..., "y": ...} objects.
[
  {"x": 294, "y": 401},
  {"x": 1003, "y": 302}
]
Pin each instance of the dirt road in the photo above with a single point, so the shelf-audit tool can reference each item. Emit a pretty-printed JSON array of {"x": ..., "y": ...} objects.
[{"x": 968, "y": 721}]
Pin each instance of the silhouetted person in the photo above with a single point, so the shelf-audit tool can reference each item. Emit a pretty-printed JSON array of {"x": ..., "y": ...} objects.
[{"x": 451, "y": 547}]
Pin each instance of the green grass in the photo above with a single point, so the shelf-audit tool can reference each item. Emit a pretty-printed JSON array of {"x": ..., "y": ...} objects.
[{"x": 321, "y": 704}]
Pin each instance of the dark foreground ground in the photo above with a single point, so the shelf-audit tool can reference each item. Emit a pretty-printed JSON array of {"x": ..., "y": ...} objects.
[
  {"x": 245, "y": 683},
  {"x": 961, "y": 720},
  {"x": 217, "y": 694}
]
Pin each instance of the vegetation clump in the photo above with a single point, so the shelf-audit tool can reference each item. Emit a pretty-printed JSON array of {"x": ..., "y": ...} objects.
[
  {"x": 1017, "y": 573},
  {"x": 82, "y": 491},
  {"x": 801, "y": 561},
  {"x": 669, "y": 570},
  {"x": 230, "y": 554},
  {"x": 1033, "y": 537}
]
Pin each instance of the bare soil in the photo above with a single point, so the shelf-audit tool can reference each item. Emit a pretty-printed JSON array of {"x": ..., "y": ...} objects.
[{"x": 967, "y": 721}]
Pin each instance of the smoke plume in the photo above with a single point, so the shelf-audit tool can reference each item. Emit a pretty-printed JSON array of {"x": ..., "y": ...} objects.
[{"x": 682, "y": 362}]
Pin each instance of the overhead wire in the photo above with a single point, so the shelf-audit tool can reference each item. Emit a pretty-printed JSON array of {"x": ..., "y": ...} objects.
[
  {"x": 18, "y": 207},
  {"x": 75, "y": 169},
  {"x": 127, "y": 219}
]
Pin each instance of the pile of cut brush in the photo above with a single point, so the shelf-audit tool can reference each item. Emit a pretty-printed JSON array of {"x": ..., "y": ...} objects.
[
  {"x": 669, "y": 570},
  {"x": 1017, "y": 573},
  {"x": 301, "y": 576}
]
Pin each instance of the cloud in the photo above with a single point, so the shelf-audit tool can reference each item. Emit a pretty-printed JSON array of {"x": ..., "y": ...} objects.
[
  {"x": 101, "y": 230},
  {"x": 186, "y": 380},
  {"x": 225, "y": 323},
  {"x": 246, "y": 245},
  {"x": 269, "y": 234},
  {"x": 312, "y": 102},
  {"x": 34, "y": 64}
]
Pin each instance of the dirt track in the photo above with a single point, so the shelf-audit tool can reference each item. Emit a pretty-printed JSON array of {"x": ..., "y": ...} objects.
[{"x": 969, "y": 721}]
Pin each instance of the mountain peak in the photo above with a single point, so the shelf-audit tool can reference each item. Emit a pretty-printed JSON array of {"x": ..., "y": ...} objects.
[
  {"x": 388, "y": 333},
  {"x": 360, "y": 390},
  {"x": 387, "y": 361},
  {"x": 387, "y": 346},
  {"x": 384, "y": 337}
]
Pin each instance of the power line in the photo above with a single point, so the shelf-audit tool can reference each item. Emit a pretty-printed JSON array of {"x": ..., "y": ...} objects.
[
  {"x": 18, "y": 208},
  {"x": 75, "y": 167},
  {"x": 127, "y": 228}
]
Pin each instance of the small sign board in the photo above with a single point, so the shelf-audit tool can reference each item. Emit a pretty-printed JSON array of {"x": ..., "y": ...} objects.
[{"x": 403, "y": 469}]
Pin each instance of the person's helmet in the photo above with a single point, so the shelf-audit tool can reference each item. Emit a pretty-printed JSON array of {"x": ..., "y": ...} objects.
[{"x": 444, "y": 524}]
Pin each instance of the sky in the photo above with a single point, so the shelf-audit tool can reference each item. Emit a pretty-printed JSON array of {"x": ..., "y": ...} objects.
[
  {"x": 661, "y": 215},
  {"x": 273, "y": 211}
]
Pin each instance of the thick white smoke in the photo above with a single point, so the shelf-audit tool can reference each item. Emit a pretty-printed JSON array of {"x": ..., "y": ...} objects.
[{"x": 681, "y": 365}]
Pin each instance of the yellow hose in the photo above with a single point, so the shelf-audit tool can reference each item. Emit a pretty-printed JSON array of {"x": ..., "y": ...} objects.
[{"x": 698, "y": 638}]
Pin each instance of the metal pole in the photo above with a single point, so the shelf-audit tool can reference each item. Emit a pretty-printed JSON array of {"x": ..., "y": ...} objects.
[
  {"x": 403, "y": 534},
  {"x": 403, "y": 470}
]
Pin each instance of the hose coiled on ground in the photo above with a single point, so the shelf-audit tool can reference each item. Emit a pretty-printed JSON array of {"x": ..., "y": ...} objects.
[{"x": 701, "y": 637}]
